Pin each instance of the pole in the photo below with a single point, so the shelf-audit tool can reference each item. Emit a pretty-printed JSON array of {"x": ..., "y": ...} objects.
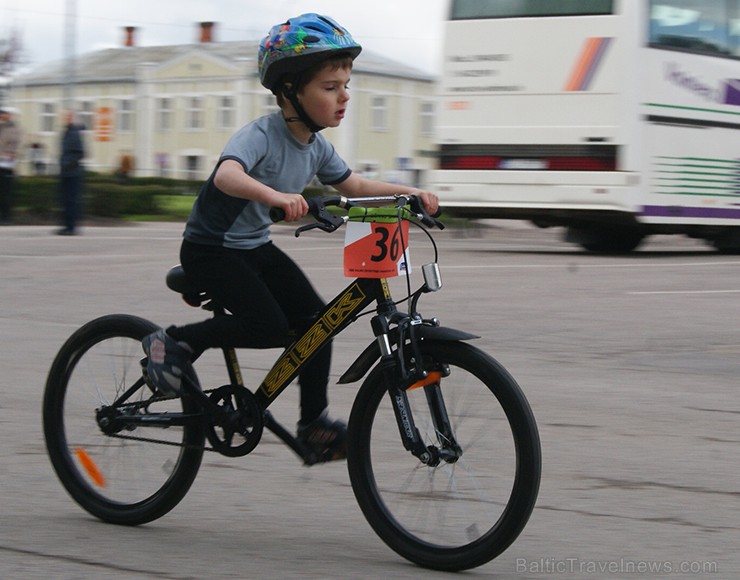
[{"x": 70, "y": 37}]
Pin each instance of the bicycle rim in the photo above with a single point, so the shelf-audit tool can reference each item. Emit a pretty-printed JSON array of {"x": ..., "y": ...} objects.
[
  {"x": 135, "y": 474},
  {"x": 454, "y": 515}
]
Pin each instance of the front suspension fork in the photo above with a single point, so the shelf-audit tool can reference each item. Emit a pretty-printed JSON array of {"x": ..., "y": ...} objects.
[{"x": 395, "y": 373}]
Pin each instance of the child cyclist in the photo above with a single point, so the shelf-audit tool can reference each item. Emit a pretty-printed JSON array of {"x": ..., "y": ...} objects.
[{"x": 306, "y": 62}]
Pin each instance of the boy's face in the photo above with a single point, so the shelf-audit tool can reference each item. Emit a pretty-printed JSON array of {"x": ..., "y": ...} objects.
[{"x": 325, "y": 97}]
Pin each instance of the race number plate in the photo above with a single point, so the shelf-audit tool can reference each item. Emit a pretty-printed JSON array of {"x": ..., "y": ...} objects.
[{"x": 376, "y": 244}]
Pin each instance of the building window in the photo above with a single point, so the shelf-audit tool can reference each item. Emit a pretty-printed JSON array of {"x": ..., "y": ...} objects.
[
  {"x": 165, "y": 113},
  {"x": 126, "y": 116},
  {"x": 426, "y": 120},
  {"x": 194, "y": 113},
  {"x": 379, "y": 113},
  {"x": 226, "y": 113},
  {"x": 87, "y": 115},
  {"x": 48, "y": 116},
  {"x": 193, "y": 165},
  {"x": 369, "y": 169}
]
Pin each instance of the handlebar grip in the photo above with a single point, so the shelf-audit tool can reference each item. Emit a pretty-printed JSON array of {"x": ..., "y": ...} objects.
[
  {"x": 277, "y": 214},
  {"x": 314, "y": 206}
]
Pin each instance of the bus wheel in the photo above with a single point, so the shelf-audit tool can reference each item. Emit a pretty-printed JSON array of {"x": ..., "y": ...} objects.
[
  {"x": 602, "y": 239},
  {"x": 728, "y": 242}
]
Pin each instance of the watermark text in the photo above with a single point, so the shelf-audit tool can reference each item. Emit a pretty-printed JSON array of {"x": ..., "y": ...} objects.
[{"x": 572, "y": 566}]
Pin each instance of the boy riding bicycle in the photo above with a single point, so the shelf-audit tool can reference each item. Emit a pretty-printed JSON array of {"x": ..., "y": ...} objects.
[{"x": 306, "y": 62}]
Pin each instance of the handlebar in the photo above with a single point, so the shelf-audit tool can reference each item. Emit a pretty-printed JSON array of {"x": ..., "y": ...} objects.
[{"x": 329, "y": 222}]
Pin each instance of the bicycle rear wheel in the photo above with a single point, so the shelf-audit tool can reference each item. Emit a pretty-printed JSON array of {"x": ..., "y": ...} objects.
[
  {"x": 126, "y": 475},
  {"x": 460, "y": 514}
]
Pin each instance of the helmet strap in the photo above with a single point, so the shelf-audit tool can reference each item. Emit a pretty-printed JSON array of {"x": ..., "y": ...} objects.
[{"x": 290, "y": 93}]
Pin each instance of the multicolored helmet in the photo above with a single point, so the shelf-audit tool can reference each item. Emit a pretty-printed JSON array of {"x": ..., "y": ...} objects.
[{"x": 300, "y": 43}]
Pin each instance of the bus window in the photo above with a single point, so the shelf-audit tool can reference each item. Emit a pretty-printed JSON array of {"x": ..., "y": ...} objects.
[
  {"x": 696, "y": 26},
  {"x": 470, "y": 9}
]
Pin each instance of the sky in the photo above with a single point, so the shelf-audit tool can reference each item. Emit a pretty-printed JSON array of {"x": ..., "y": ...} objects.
[{"x": 409, "y": 31}]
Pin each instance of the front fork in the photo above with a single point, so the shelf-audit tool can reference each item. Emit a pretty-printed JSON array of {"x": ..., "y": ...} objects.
[{"x": 400, "y": 379}]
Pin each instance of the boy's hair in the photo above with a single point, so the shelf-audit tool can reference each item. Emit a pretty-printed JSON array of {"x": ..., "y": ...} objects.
[{"x": 341, "y": 60}]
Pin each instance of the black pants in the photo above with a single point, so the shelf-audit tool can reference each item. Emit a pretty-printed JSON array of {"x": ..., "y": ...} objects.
[
  {"x": 70, "y": 191},
  {"x": 267, "y": 295},
  {"x": 7, "y": 179}
]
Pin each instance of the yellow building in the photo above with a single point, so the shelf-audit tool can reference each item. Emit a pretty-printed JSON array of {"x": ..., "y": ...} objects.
[{"x": 172, "y": 108}]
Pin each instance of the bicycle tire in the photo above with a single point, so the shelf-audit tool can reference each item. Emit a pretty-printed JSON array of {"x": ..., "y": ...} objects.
[
  {"x": 459, "y": 515},
  {"x": 122, "y": 478}
]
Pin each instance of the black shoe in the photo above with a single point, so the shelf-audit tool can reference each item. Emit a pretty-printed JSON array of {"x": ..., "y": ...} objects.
[
  {"x": 325, "y": 437},
  {"x": 66, "y": 232},
  {"x": 167, "y": 361}
]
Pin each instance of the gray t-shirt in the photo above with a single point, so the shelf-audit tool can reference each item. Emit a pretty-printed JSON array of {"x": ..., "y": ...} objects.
[{"x": 270, "y": 154}]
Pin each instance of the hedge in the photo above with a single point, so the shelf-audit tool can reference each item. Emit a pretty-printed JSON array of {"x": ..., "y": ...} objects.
[
  {"x": 37, "y": 198},
  {"x": 105, "y": 196}
]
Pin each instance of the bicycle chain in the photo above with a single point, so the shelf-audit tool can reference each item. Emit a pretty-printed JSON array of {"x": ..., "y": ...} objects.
[{"x": 157, "y": 399}]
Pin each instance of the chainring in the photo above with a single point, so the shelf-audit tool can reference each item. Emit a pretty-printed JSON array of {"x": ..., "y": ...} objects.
[{"x": 238, "y": 428}]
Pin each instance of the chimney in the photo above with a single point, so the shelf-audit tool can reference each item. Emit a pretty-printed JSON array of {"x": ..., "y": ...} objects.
[
  {"x": 206, "y": 31},
  {"x": 129, "y": 39}
]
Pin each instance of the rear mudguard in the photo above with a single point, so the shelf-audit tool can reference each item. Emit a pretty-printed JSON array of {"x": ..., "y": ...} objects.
[{"x": 366, "y": 360}]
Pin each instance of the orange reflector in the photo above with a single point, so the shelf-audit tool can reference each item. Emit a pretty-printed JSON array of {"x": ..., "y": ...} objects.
[
  {"x": 92, "y": 470},
  {"x": 433, "y": 377}
]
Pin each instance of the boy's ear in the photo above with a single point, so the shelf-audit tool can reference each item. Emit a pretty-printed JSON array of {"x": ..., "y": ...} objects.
[{"x": 287, "y": 89}]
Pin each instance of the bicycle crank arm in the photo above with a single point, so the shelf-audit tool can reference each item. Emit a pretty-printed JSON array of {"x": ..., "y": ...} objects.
[
  {"x": 110, "y": 423},
  {"x": 287, "y": 437}
]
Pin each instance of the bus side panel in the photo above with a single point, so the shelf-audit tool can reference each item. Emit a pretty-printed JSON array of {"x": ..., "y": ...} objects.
[{"x": 691, "y": 109}]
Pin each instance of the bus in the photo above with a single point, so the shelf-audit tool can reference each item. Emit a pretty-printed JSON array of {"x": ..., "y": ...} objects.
[{"x": 615, "y": 119}]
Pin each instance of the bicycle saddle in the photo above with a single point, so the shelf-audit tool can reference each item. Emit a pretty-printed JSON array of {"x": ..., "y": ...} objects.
[{"x": 191, "y": 293}]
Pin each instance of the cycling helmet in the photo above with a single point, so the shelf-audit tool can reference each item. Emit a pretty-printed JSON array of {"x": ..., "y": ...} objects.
[{"x": 298, "y": 44}]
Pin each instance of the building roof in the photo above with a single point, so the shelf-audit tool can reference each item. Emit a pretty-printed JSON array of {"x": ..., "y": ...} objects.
[{"x": 120, "y": 64}]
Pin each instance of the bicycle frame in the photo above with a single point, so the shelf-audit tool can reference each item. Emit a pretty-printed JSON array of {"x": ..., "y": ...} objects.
[{"x": 335, "y": 317}]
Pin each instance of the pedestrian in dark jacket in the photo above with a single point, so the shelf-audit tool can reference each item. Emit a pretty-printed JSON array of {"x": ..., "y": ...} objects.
[
  {"x": 71, "y": 174},
  {"x": 10, "y": 138}
]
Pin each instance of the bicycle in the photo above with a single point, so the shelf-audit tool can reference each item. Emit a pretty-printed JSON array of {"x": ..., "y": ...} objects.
[{"x": 443, "y": 450}]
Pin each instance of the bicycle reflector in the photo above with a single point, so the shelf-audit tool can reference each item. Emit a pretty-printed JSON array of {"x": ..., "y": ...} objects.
[{"x": 89, "y": 465}]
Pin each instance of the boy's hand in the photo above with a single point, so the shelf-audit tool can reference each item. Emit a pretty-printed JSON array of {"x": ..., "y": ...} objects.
[
  {"x": 430, "y": 200},
  {"x": 294, "y": 205}
]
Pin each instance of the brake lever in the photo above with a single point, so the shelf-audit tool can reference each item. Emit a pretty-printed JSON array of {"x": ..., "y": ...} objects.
[
  {"x": 325, "y": 227},
  {"x": 417, "y": 207},
  {"x": 305, "y": 228},
  {"x": 327, "y": 221}
]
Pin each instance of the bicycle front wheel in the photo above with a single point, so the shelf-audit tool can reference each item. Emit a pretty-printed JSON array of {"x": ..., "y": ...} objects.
[
  {"x": 130, "y": 474},
  {"x": 470, "y": 507}
]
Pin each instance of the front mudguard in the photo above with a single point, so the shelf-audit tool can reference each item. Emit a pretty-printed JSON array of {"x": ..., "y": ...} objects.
[{"x": 371, "y": 354}]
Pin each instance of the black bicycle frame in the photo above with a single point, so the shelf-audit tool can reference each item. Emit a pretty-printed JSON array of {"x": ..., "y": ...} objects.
[{"x": 334, "y": 318}]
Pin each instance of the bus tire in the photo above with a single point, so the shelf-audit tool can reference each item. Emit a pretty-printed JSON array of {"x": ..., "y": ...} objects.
[{"x": 601, "y": 239}]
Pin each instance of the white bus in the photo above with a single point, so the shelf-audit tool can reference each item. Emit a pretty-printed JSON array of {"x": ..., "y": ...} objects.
[{"x": 614, "y": 118}]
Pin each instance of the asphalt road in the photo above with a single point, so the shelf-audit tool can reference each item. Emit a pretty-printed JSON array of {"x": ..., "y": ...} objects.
[{"x": 631, "y": 365}]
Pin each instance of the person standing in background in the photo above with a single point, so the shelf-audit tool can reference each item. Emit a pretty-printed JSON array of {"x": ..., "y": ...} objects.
[
  {"x": 71, "y": 174},
  {"x": 10, "y": 139}
]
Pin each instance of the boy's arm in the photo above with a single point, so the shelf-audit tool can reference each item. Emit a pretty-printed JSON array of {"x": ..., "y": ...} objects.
[
  {"x": 358, "y": 186},
  {"x": 233, "y": 180}
]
